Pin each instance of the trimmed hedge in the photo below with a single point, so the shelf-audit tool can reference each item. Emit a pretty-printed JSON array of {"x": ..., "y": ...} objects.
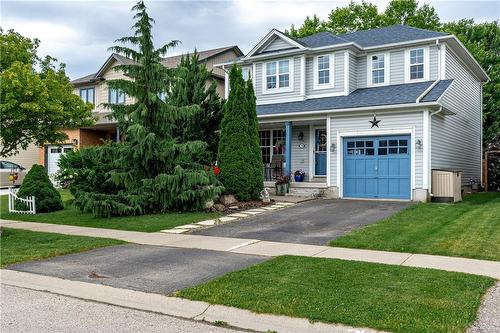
[{"x": 37, "y": 184}]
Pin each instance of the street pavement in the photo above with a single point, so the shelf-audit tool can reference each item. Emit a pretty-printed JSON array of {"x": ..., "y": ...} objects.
[{"x": 26, "y": 311}]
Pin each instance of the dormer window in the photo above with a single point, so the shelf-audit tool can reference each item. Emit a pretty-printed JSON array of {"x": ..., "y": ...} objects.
[
  {"x": 378, "y": 69},
  {"x": 417, "y": 64},
  {"x": 278, "y": 75},
  {"x": 323, "y": 71}
]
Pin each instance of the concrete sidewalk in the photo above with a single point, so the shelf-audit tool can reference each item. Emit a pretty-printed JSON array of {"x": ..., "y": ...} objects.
[
  {"x": 271, "y": 249},
  {"x": 172, "y": 306}
]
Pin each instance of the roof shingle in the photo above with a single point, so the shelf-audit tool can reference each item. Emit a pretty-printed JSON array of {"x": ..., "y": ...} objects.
[{"x": 377, "y": 96}]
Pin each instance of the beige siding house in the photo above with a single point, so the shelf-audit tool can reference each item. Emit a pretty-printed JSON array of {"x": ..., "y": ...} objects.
[{"x": 94, "y": 89}]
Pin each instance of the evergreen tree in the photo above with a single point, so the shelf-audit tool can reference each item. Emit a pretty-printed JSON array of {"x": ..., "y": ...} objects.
[
  {"x": 255, "y": 158},
  {"x": 153, "y": 172},
  {"x": 234, "y": 145},
  {"x": 37, "y": 184},
  {"x": 190, "y": 88}
]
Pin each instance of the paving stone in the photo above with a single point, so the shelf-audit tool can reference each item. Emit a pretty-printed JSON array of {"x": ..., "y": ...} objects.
[
  {"x": 275, "y": 206},
  {"x": 285, "y": 203},
  {"x": 207, "y": 222},
  {"x": 227, "y": 219},
  {"x": 252, "y": 212},
  {"x": 258, "y": 210},
  {"x": 270, "y": 208},
  {"x": 238, "y": 215},
  {"x": 174, "y": 231},
  {"x": 188, "y": 226}
]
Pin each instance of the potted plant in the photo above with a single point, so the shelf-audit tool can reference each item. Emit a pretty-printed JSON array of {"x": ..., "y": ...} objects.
[
  {"x": 282, "y": 185},
  {"x": 299, "y": 175}
]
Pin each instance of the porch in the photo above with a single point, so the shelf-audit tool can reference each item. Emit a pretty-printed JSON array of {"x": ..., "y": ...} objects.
[{"x": 288, "y": 147}]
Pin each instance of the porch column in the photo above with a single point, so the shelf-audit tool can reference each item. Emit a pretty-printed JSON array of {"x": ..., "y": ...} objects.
[
  {"x": 117, "y": 134},
  {"x": 288, "y": 148}
]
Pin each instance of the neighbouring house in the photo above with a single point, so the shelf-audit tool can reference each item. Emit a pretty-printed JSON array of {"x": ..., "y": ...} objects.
[
  {"x": 93, "y": 88},
  {"x": 367, "y": 114}
]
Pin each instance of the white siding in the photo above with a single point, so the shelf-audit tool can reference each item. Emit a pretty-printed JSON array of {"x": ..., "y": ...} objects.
[
  {"x": 300, "y": 156},
  {"x": 26, "y": 157},
  {"x": 389, "y": 121},
  {"x": 338, "y": 76},
  {"x": 259, "y": 72},
  {"x": 361, "y": 71},
  {"x": 456, "y": 140},
  {"x": 433, "y": 62}
]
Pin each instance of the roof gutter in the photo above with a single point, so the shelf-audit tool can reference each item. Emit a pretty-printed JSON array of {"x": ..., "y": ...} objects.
[{"x": 364, "y": 108}]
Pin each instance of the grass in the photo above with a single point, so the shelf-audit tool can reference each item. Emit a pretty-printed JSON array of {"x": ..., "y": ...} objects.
[
  {"x": 23, "y": 245},
  {"x": 72, "y": 216},
  {"x": 470, "y": 228},
  {"x": 393, "y": 298}
]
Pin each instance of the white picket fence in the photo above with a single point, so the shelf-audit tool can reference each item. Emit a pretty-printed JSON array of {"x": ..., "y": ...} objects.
[{"x": 13, "y": 198}]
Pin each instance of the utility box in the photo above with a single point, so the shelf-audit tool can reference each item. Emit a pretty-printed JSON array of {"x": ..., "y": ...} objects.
[{"x": 446, "y": 186}]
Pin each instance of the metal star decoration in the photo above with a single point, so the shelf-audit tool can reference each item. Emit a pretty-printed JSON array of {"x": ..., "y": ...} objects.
[{"x": 374, "y": 122}]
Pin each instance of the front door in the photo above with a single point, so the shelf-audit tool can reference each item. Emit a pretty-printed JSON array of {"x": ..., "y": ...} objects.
[
  {"x": 377, "y": 167},
  {"x": 320, "y": 152}
]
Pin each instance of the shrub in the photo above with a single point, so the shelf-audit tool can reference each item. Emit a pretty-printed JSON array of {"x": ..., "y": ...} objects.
[{"x": 37, "y": 184}]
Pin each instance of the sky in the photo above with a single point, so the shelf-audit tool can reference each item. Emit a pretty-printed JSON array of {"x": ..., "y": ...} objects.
[{"x": 79, "y": 33}]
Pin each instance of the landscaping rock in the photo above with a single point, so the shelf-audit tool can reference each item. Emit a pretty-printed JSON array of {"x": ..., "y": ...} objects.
[
  {"x": 220, "y": 207},
  {"x": 233, "y": 207},
  {"x": 228, "y": 199},
  {"x": 209, "y": 204}
]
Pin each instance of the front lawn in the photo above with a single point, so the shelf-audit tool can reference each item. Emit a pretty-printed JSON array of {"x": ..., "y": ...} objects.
[
  {"x": 72, "y": 216},
  {"x": 392, "y": 298},
  {"x": 470, "y": 228},
  {"x": 23, "y": 245}
]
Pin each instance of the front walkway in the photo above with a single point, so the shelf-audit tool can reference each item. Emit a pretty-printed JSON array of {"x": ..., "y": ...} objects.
[{"x": 271, "y": 249}]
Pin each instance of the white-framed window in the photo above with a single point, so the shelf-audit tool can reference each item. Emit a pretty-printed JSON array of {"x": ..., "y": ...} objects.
[
  {"x": 378, "y": 69},
  {"x": 116, "y": 96},
  {"x": 272, "y": 142},
  {"x": 323, "y": 71},
  {"x": 278, "y": 76},
  {"x": 417, "y": 64},
  {"x": 245, "y": 72},
  {"x": 87, "y": 95}
]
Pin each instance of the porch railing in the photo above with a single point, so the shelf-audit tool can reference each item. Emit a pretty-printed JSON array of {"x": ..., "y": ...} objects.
[{"x": 271, "y": 172}]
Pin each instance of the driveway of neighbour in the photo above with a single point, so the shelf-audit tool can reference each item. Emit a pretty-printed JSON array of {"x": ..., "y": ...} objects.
[
  {"x": 154, "y": 269},
  {"x": 313, "y": 222}
]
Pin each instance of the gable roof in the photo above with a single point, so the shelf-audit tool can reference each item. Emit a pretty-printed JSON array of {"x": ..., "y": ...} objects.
[
  {"x": 363, "y": 97},
  {"x": 271, "y": 35},
  {"x": 169, "y": 62}
]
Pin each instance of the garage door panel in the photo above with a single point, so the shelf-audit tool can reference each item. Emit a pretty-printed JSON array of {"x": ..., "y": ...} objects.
[{"x": 377, "y": 167}]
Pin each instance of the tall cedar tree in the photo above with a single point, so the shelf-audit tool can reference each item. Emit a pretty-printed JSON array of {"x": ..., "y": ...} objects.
[
  {"x": 152, "y": 171},
  {"x": 190, "y": 88},
  {"x": 253, "y": 134},
  {"x": 237, "y": 147}
]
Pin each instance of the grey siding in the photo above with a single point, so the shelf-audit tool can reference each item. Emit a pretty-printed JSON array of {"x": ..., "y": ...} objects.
[
  {"x": 456, "y": 140},
  {"x": 353, "y": 77},
  {"x": 397, "y": 67},
  {"x": 433, "y": 62},
  {"x": 389, "y": 121},
  {"x": 277, "y": 44},
  {"x": 300, "y": 156},
  {"x": 361, "y": 71},
  {"x": 338, "y": 76},
  {"x": 259, "y": 73}
]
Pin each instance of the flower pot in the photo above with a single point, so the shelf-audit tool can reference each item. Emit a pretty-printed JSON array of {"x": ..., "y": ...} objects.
[
  {"x": 299, "y": 178},
  {"x": 280, "y": 189}
]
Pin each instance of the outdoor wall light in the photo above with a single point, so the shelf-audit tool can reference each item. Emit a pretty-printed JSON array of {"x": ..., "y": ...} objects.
[
  {"x": 75, "y": 142},
  {"x": 333, "y": 147},
  {"x": 419, "y": 144},
  {"x": 301, "y": 136}
]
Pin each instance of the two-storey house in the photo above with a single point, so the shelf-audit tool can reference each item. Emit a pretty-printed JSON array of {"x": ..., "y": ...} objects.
[
  {"x": 367, "y": 114},
  {"x": 93, "y": 88}
]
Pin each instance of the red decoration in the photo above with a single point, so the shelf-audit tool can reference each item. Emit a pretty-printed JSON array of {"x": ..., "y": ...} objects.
[{"x": 216, "y": 170}]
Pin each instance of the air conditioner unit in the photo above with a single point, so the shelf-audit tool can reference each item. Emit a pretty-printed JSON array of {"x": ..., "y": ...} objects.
[{"x": 446, "y": 186}]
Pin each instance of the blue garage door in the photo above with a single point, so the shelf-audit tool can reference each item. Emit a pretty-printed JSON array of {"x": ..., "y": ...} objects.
[{"x": 377, "y": 167}]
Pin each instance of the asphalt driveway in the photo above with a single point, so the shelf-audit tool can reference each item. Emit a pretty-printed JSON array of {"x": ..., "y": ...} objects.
[
  {"x": 313, "y": 222},
  {"x": 152, "y": 269}
]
